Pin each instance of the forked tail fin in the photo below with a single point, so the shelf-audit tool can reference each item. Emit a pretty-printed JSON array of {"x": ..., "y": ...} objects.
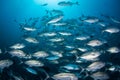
[{"x": 77, "y": 3}]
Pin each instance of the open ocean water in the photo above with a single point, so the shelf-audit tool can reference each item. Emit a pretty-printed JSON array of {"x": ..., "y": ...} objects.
[{"x": 59, "y": 40}]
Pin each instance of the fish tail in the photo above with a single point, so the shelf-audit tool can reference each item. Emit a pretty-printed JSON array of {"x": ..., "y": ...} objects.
[
  {"x": 47, "y": 75},
  {"x": 21, "y": 26},
  {"x": 47, "y": 11},
  {"x": 81, "y": 19},
  {"x": 86, "y": 75},
  {"x": 77, "y": 3},
  {"x": 6, "y": 51},
  {"x": 1, "y": 70},
  {"x": 103, "y": 31},
  {"x": 51, "y": 14}
]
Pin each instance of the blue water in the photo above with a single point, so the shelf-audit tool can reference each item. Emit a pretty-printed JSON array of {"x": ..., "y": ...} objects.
[{"x": 20, "y": 10}]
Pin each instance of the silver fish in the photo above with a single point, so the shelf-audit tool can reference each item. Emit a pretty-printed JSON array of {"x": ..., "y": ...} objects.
[
  {"x": 29, "y": 29},
  {"x": 65, "y": 76},
  {"x": 17, "y": 46},
  {"x": 100, "y": 76},
  {"x": 91, "y": 21},
  {"x": 73, "y": 52},
  {"x": 71, "y": 67},
  {"x": 113, "y": 50},
  {"x": 49, "y": 34},
  {"x": 102, "y": 24},
  {"x": 111, "y": 30},
  {"x": 95, "y": 66},
  {"x": 31, "y": 40},
  {"x": 69, "y": 47},
  {"x": 57, "y": 53},
  {"x": 17, "y": 53},
  {"x": 40, "y": 54},
  {"x": 82, "y": 49},
  {"x": 94, "y": 43},
  {"x": 65, "y": 33},
  {"x": 112, "y": 68},
  {"x": 52, "y": 58},
  {"x": 54, "y": 20},
  {"x": 82, "y": 37},
  {"x": 34, "y": 63},
  {"x": 91, "y": 56},
  {"x": 115, "y": 20},
  {"x": 31, "y": 70},
  {"x": 59, "y": 24},
  {"x": 56, "y": 40},
  {"x": 5, "y": 64},
  {"x": 54, "y": 61}
]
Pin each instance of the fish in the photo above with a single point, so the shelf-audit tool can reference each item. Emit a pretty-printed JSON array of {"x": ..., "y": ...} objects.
[
  {"x": 115, "y": 20},
  {"x": 67, "y": 3},
  {"x": 53, "y": 61},
  {"x": 34, "y": 63},
  {"x": 57, "y": 12},
  {"x": 18, "y": 77},
  {"x": 56, "y": 39},
  {"x": 48, "y": 34},
  {"x": 17, "y": 53},
  {"x": 112, "y": 68},
  {"x": 94, "y": 43},
  {"x": 0, "y": 51},
  {"x": 100, "y": 76},
  {"x": 44, "y": 72},
  {"x": 102, "y": 24},
  {"x": 95, "y": 66},
  {"x": 59, "y": 24},
  {"x": 28, "y": 56},
  {"x": 54, "y": 12},
  {"x": 52, "y": 58},
  {"x": 31, "y": 40},
  {"x": 55, "y": 19},
  {"x": 57, "y": 53},
  {"x": 29, "y": 29},
  {"x": 113, "y": 50},
  {"x": 73, "y": 52},
  {"x": 85, "y": 37},
  {"x": 65, "y": 33},
  {"x": 69, "y": 47},
  {"x": 90, "y": 56},
  {"x": 5, "y": 64},
  {"x": 80, "y": 60},
  {"x": 82, "y": 49},
  {"x": 13, "y": 76},
  {"x": 90, "y": 20},
  {"x": 65, "y": 76},
  {"x": 45, "y": 4},
  {"x": 40, "y": 54},
  {"x": 17, "y": 46},
  {"x": 31, "y": 70},
  {"x": 71, "y": 67},
  {"x": 111, "y": 30}
]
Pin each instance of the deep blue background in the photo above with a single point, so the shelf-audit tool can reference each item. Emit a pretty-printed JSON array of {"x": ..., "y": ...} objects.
[{"x": 23, "y": 9}]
